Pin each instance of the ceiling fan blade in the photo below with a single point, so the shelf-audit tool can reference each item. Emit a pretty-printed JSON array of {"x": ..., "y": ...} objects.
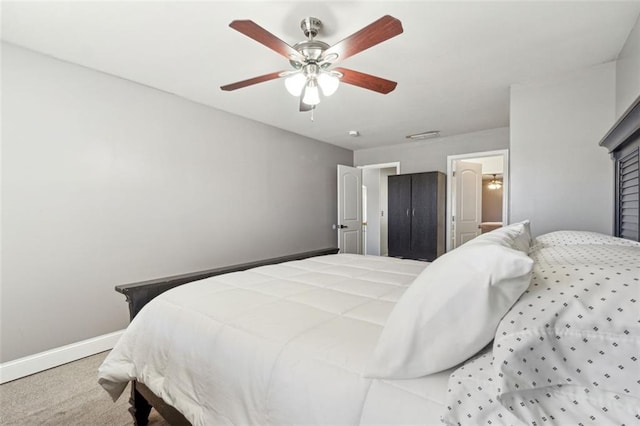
[
  {"x": 381, "y": 30},
  {"x": 252, "y": 81},
  {"x": 259, "y": 34},
  {"x": 366, "y": 81}
]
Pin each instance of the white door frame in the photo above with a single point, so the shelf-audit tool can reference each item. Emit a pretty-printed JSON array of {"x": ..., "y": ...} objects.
[
  {"x": 395, "y": 164},
  {"x": 505, "y": 184}
]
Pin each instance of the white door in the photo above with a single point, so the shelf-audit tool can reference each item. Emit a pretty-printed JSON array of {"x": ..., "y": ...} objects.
[
  {"x": 468, "y": 207},
  {"x": 349, "y": 210}
]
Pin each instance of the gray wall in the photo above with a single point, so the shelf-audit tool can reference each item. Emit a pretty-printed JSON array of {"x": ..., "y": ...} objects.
[
  {"x": 105, "y": 181},
  {"x": 628, "y": 71},
  {"x": 560, "y": 177},
  {"x": 491, "y": 203},
  {"x": 431, "y": 155}
]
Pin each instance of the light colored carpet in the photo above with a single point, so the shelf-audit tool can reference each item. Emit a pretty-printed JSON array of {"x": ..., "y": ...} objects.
[{"x": 66, "y": 395}]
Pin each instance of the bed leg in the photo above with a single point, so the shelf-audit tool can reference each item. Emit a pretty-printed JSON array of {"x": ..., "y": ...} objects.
[{"x": 139, "y": 408}]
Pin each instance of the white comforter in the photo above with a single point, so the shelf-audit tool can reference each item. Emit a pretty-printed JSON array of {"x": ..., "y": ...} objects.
[{"x": 279, "y": 344}]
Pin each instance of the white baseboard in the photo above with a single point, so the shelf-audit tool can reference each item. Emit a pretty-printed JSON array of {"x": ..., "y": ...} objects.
[{"x": 32, "y": 364}]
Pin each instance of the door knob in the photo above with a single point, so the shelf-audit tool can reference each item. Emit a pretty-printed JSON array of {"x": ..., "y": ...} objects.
[{"x": 342, "y": 226}]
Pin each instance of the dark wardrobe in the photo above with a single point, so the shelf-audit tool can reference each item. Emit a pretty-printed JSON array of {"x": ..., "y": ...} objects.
[{"x": 417, "y": 215}]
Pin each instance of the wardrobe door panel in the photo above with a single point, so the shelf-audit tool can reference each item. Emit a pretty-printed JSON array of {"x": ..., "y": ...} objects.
[
  {"x": 424, "y": 216},
  {"x": 399, "y": 224}
]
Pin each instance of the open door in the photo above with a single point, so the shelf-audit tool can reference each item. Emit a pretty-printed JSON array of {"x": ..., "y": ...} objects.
[
  {"x": 493, "y": 162},
  {"x": 468, "y": 205},
  {"x": 349, "y": 224}
]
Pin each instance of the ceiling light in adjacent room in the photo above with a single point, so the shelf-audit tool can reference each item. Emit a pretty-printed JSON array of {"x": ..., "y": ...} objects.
[{"x": 494, "y": 183}]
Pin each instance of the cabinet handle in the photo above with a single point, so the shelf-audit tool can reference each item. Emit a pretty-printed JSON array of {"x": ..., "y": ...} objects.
[
  {"x": 413, "y": 212},
  {"x": 407, "y": 212}
]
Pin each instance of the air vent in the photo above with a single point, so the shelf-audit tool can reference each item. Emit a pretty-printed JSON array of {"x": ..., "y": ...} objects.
[{"x": 424, "y": 135}]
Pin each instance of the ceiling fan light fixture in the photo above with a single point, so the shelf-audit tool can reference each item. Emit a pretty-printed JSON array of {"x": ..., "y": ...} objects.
[
  {"x": 312, "y": 58},
  {"x": 328, "y": 82},
  {"x": 311, "y": 93},
  {"x": 295, "y": 83}
]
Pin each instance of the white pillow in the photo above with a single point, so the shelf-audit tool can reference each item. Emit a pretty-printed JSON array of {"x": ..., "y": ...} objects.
[
  {"x": 522, "y": 238},
  {"x": 516, "y": 236},
  {"x": 450, "y": 311}
]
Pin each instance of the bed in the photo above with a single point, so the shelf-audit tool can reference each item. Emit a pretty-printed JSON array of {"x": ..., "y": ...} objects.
[
  {"x": 505, "y": 329},
  {"x": 292, "y": 343},
  {"x": 286, "y": 343}
]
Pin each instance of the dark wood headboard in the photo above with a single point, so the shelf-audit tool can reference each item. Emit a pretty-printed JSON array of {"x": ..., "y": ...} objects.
[
  {"x": 140, "y": 293},
  {"x": 623, "y": 142}
]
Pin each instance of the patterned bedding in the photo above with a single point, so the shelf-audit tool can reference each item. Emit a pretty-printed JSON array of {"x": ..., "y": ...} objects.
[{"x": 568, "y": 351}]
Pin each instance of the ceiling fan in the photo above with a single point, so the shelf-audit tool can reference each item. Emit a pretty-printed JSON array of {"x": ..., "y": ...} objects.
[{"x": 312, "y": 60}]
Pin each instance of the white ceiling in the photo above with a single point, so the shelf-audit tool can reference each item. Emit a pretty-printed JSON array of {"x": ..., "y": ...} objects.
[{"x": 454, "y": 62}]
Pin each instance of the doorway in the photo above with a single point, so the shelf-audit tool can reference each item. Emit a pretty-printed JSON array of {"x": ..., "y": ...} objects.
[
  {"x": 375, "y": 207},
  {"x": 477, "y": 194}
]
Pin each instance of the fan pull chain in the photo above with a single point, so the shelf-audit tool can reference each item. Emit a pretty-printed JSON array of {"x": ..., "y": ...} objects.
[{"x": 312, "y": 111}]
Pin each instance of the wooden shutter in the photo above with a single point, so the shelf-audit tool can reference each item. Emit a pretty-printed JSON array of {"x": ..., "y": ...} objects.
[{"x": 628, "y": 196}]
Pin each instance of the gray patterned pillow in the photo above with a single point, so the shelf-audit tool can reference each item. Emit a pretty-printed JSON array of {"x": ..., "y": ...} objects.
[
  {"x": 570, "y": 238},
  {"x": 568, "y": 352},
  {"x": 576, "y": 328}
]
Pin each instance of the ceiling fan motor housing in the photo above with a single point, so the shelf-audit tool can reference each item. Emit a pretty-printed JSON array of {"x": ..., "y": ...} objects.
[
  {"x": 310, "y": 27},
  {"x": 311, "y": 50}
]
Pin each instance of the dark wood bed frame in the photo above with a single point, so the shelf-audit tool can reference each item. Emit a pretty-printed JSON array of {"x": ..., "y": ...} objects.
[
  {"x": 139, "y": 294},
  {"x": 622, "y": 141}
]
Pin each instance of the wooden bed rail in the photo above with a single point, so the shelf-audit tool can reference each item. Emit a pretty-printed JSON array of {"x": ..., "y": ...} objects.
[{"x": 139, "y": 294}]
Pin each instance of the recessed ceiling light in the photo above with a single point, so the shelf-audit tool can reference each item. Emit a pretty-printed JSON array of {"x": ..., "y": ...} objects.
[
  {"x": 354, "y": 133},
  {"x": 424, "y": 135}
]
